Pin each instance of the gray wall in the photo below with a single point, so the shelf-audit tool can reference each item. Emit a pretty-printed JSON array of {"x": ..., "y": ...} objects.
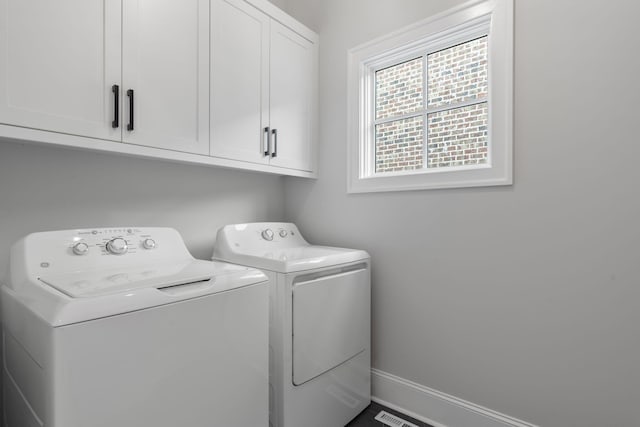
[
  {"x": 524, "y": 299},
  {"x": 46, "y": 188},
  {"x": 282, "y": 4}
]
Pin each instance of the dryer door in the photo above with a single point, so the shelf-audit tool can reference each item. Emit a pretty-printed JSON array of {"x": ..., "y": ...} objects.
[{"x": 331, "y": 317}]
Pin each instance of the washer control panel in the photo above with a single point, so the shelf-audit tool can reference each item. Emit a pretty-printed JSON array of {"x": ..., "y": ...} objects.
[
  {"x": 80, "y": 248},
  {"x": 149, "y": 243},
  {"x": 117, "y": 246},
  {"x": 117, "y": 241},
  {"x": 75, "y": 250}
]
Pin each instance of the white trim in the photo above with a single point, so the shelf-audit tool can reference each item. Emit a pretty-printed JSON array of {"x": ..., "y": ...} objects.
[
  {"x": 20, "y": 134},
  {"x": 432, "y": 110},
  {"x": 399, "y": 118},
  {"x": 282, "y": 17},
  {"x": 455, "y": 106},
  {"x": 435, "y": 407},
  {"x": 468, "y": 19},
  {"x": 461, "y": 33}
]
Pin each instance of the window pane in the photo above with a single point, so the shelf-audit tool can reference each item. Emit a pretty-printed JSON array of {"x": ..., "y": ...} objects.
[
  {"x": 458, "y": 137},
  {"x": 399, "y": 145},
  {"x": 399, "y": 89},
  {"x": 458, "y": 73}
]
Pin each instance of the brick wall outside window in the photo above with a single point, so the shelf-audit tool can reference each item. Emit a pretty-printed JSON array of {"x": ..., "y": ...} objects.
[
  {"x": 455, "y": 137},
  {"x": 458, "y": 137},
  {"x": 399, "y": 145},
  {"x": 458, "y": 73},
  {"x": 399, "y": 89}
]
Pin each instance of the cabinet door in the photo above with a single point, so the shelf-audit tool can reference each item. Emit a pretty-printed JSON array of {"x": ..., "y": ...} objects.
[
  {"x": 291, "y": 97},
  {"x": 239, "y": 81},
  {"x": 166, "y": 65},
  {"x": 58, "y": 63}
]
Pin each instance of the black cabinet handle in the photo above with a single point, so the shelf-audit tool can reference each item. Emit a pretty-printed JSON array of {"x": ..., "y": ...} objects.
[
  {"x": 274, "y": 153},
  {"x": 116, "y": 106},
  {"x": 130, "y": 95},
  {"x": 266, "y": 145}
]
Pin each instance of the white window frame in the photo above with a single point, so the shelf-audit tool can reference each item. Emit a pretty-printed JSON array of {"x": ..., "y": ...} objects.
[{"x": 493, "y": 18}]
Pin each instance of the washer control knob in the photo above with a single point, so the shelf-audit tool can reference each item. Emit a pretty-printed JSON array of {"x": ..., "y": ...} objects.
[
  {"x": 81, "y": 248},
  {"x": 149, "y": 244},
  {"x": 267, "y": 234},
  {"x": 117, "y": 246},
  {"x": 283, "y": 233}
]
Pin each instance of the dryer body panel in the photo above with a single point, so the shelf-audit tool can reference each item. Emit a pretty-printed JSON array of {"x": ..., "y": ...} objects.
[{"x": 330, "y": 322}]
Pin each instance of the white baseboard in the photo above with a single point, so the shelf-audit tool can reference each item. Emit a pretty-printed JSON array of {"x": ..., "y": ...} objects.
[{"x": 434, "y": 407}]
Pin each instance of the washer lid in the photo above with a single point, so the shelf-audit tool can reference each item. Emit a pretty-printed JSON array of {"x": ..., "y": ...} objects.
[
  {"x": 94, "y": 283},
  {"x": 71, "y": 298}
]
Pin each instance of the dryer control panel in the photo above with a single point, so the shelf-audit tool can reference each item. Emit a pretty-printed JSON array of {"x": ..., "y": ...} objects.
[{"x": 262, "y": 236}]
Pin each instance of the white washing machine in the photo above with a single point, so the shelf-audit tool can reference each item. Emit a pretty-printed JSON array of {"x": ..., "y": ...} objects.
[
  {"x": 123, "y": 327},
  {"x": 320, "y": 334}
]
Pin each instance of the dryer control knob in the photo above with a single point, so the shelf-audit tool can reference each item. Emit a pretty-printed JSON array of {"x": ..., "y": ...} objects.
[
  {"x": 117, "y": 246},
  {"x": 81, "y": 248},
  {"x": 267, "y": 234},
  {"x": 149, "y": 244},
  {"x": 283, "y": 233}
]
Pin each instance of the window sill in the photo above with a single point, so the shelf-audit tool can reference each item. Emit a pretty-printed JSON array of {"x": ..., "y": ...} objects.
[{"x": 441, "y": 179}]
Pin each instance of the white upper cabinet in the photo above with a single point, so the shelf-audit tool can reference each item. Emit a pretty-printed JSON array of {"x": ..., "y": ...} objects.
[
  {"x": 239, "y": 81},
  {"x": 263, "y": 84},
  {"x": 218, "y": 82},
  {"x": 165, "y": 73},
  {"x": 58, "y": 63},
  {"x": 292, "y": 98}
]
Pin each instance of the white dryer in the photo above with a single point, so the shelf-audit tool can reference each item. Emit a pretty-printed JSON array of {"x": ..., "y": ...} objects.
[
  {"x": 320, "y": 351},
  {"x": 123, "y": 327}
]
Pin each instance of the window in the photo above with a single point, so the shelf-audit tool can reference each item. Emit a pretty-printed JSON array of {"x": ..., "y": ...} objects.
[
  {"x": 445, "y": 128},
  {"x": 430, "y": 106}
]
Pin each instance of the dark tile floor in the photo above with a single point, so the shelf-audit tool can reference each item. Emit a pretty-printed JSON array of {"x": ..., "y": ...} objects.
[{"x": 367, "y": 417}]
